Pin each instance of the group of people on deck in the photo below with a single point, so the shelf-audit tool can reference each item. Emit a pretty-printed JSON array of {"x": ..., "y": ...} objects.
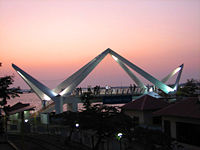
[{"x": 108, "y": 89}]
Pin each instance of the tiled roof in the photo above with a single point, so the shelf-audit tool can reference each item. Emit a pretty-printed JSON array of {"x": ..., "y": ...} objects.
[
  {"x": 145, "y": 102},
  {"x": 19, "y": 107},
  {"x": 189, "y": 107},
  {"x": 26, "y": 108}
]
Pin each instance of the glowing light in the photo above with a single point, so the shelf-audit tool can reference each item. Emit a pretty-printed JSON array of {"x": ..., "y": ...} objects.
[
  {"x": 178, "y": 69},
  {"x": 55, "y": 94},
  {"x": 77, "y": 125},
  {"x": 151, "y": 89},
  {"x": 47, "y": 98},
  {"x": 115, "y": 58},
  {"x": 26, "y": 120},
  {"x": 175, "y": 87},
  {"x": 64, "y": 91},
  {"x": 119, "y": 136}
]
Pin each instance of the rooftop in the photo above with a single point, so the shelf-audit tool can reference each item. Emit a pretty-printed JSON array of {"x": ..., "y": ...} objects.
[
  {"x": 189, "y": 108},
  {"x": 19, "y": 107},
  {"x": 146, "y": 102}
]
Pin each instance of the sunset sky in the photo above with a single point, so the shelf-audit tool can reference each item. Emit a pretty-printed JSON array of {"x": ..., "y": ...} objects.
[{"x": 51, "y": 39}]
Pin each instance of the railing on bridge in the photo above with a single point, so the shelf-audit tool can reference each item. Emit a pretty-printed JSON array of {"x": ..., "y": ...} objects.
[
  {"x": 108, "y": 91},
  {"x": 98, "y": 91}
]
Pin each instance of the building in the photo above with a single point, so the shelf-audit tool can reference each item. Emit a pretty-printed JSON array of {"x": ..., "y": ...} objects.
[
  {"x": 15, "y": 113},
  {"x": 181, "y": 121},
  {"x": 141, "y": 109}
]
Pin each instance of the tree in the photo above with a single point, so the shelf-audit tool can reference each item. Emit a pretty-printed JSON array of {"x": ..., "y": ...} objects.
[
  {"x": 68, "y": 119},
  {"x": 189, "y": 88},
  {"x": 6, "y": 92},
  {"x": 86, "y": 98},
  {"x": 105, "y": 121},
  {"x": 152, "y": 139}
]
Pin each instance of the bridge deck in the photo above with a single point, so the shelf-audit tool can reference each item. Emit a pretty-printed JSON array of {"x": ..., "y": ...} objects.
[{"x": 99, "y": 96}]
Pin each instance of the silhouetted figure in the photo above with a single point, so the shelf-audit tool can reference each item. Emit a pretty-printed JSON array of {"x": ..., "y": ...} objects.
[
  {"x": 106, "y": 89},
  {"x": 80, "y": 90},
  {"x": 134, "y": 87},
  {"x": 77, "y": 91},
  {"x": 148, "y": 87},
  {"x": 98, "y": 90},
  {"x": 131, "y": 88},
  {"x": 127, "y": 91},
  {"x": 89, "y": 90},
  {"x": 109, "y": 89},
  {"x": 117, "y": 91}
]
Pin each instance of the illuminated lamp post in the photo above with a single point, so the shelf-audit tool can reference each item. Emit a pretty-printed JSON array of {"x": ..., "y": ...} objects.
[
  {"x": 77, "y": 125},
  {"x": 119, "y": 137}
]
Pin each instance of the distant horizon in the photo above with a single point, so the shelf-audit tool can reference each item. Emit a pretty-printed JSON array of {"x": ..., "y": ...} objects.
[
  {"x": 51, "y": 40},
  {"x": 171, "y": 81},
  {"x": 108, "y": 85},
  {"x": 52, "y": 83}
]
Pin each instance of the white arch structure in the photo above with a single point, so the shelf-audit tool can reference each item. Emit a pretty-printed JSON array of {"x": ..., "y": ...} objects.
[{"x": 64, "y": 89}]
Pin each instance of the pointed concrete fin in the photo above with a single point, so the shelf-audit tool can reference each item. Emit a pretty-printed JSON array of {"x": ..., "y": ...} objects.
[
  {"x": 41, "y": 90},
  {"x": 84, "y": 73},
  {"x": 70, "y": 83},
  {"x": 146, "y": 75},
  {"x": 130, "y": 73},
  {"x": 70, "y": 79},
  {"x": 171, "y": 74},
  {"x": 175, "y": 87}
]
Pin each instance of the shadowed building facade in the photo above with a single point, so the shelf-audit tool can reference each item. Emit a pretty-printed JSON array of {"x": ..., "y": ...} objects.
[
  {"x": 141, "y": 110},
  {"x": 181, "y": 121}
]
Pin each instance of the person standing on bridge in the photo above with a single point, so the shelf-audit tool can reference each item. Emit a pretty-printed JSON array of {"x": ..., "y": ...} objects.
[
  {"x": 98, "y": 90},
  {"x": 95, "y": 90},
  {"x": 131, "y": 88},
  {"x": 80, "y": 91},
  {"x": 106, "y": 89},
  {"x": 134, "y": 87},
  {"x": 89, "y": 89}
]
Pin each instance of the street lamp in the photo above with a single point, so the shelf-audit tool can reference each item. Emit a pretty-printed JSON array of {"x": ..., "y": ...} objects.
[
  {"x": 77, "y": 125},
  {"x": 119, "y": 136}
]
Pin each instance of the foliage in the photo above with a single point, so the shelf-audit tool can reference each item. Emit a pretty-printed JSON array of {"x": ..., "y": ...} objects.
[
  {"x": 189, "y": 88},
  {"x": 105, "y": 120},
  {"x": 152, "y": 139},
  {"x": 85, "y": 98},
  {"x": 5, "y": 91}
]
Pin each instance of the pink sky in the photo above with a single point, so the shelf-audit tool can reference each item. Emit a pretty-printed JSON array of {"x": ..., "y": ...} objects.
[{"x": 52, "y": 39}]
